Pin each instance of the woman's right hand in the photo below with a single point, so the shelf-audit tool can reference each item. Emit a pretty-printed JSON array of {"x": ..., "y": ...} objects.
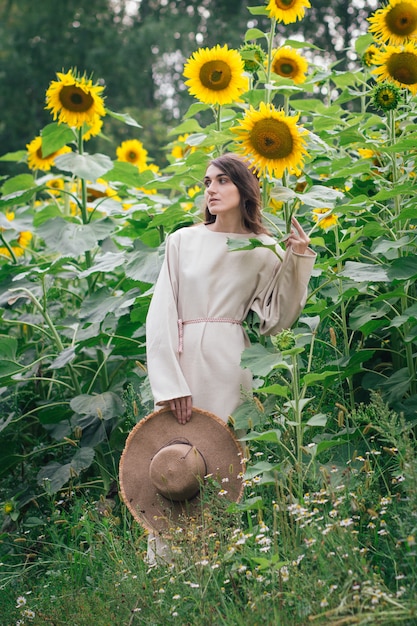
[{"x": 182, "y": 408}]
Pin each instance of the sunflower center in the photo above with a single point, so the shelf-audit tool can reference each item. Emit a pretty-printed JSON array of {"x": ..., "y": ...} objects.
[
  {"x": 402, "y": 19},
  {"x": 272, "y": 139},
  {"x": 284, "y": 5},
  {"x": 74, "y": 98},
  {"x": 215, "y": 75},
  {"x": 403, "y": 67},
  {"x": 132, "y": 156},
  {"x": 285, "y": 68},
  {"x": 387, "y": 96}
]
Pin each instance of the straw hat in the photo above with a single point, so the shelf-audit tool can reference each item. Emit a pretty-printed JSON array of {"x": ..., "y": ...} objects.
[{"x": 164, "y": 464}]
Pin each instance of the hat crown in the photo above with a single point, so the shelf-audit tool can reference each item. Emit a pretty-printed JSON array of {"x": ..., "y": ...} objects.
[{"x": 177, "y": 471}]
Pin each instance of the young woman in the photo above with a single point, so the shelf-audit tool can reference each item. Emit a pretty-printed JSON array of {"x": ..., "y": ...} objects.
[{"x": 205, "y": 291}]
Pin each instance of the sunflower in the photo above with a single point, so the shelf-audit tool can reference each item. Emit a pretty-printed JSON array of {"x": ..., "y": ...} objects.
[
  {"x": 324, "y": 218},
  {"x": 17, "y": 246},
  {"x": 366, "y": 153},
  {"x": 216, "y": 75},
  {"x": 396, "y": 23},
  {"x": 288, "y": 63},
  {"x": 193, "y": 191},
  {"x": 369, "y": 55},
  {"x": 100, "y": 189},
  {"x": 132, "y": 151},
  {"x": 287, "y": 11},
  {"x": 55, "y": 186},
  {"x": 272, "y": 140},
  {"x": 93, "y": 129},
  {"x": 253, "y": 57},
  {"x": 74, "y": 100},
  {"x": 36, "y": 159},
  {"x": 398, "y": 65},
  {"x": 180, "y": 149},
  {"x": 24, "y": 239},
  {"x": 386, "y": 96}
]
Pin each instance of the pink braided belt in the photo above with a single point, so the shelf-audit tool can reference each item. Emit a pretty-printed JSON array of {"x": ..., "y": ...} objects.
[{"x": 201, "y": 320}]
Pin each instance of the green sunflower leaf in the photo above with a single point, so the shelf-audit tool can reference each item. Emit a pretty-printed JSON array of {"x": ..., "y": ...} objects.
[
  {"x": 86, "y": 166},
  {"x": 128, "y": 174},
  {"x": 54, "y": 137},
  {"x": 365, "y": 272},
  {"x": 123, "y": 117},
  {"x": 257, "y": 10},
  {"x": 403, "y": 269},
  {"x": 105, "y": 405},
  {"x": 300, "y": 44},
  {"x": 56, "y": 475},
  {"x": 21, "y": 182},
  {"x": 73, "y": 239},
  {"x": 254, "y": 33},
  {"x": 19, "y": 155},
  {"x": 260, "y": 360}
]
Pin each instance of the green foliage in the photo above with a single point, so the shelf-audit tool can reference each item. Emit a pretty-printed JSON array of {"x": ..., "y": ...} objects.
[
  {"x": 330, "y": 432},
  {"x": 353, "y": 534}
]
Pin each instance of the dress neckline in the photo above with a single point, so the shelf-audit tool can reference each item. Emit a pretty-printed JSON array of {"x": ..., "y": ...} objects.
[{"x": 230, "y": 234}]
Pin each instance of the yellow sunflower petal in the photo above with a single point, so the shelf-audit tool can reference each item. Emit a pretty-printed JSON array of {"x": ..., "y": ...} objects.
[
  {"x": 216, "y": 75},
  {"x": 74, "y": 100},
  {"x": 287, "y": 11},
  {"x": 396, "y": 23},
  {"x": 36, "y": 160},
  {"x": 398, "y": 65},
  {"x": 288, "y": 63},
  {"x": 272, "y": 140},
  {"x": 94, "y": 128},
  {"x": 324, "y": 218}
]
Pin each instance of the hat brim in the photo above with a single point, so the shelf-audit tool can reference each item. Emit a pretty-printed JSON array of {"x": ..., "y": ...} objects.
[{"x": 208, "y": 433}]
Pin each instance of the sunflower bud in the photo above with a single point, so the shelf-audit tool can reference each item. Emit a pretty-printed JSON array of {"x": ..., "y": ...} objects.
[
  {"x": 8, "y": 507},
  {"x": 386, "y": 96},
  {"x": 285, "y": 340},
  {"x": 253, "y": 57}
]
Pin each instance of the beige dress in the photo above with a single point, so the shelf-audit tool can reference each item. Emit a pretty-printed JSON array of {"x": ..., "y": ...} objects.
[{"x": 204, "y": 291}]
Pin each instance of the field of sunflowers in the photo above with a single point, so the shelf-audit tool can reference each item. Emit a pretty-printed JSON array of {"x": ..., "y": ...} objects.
[{"x": 326, "y": 532}]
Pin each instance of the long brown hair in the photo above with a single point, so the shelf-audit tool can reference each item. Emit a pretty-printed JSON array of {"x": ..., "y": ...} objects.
[{"x": 237, "y": 169}]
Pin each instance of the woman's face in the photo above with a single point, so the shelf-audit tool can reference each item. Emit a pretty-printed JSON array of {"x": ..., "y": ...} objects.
[{"x": 221, "y": 194}]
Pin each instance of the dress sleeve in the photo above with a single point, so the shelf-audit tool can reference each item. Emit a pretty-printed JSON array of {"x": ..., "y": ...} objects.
[
  {"x": 280, "y": 303},
  {"x": 165, "y": 376}
]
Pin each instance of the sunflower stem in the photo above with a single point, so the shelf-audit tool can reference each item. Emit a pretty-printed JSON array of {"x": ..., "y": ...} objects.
[
  {"x": 54, "y": 333},
  {"x": 411, "y": 366},
  {"x": 343, "y": 313},
  {"x": 83, "y": 206},
  {"x": 218, "y": 117},
  {"x": 269, "y": 60},
  {"x": 9, "y": 248},
  {"x": 265, "y": 190}
]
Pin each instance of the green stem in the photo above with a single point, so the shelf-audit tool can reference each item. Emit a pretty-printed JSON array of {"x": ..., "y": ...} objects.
[
  {"x": 392, "y": 141},
  {"x": 83, "y": 207},
  {"x": 411, "y": 365},
  {"x": 343, "y": 315},
  {"x": 309, "y": 360},
  {"x": 298, "y": 424},
  {"x": 269, "y": 60},
  {"x": 218, "y": 116},
  {"x": 9, "y": 248},
  {"x": 55, "y": 336}
]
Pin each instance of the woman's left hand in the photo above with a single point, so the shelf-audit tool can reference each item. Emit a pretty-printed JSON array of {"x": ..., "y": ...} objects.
[{"x": 297, "y": 239}]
